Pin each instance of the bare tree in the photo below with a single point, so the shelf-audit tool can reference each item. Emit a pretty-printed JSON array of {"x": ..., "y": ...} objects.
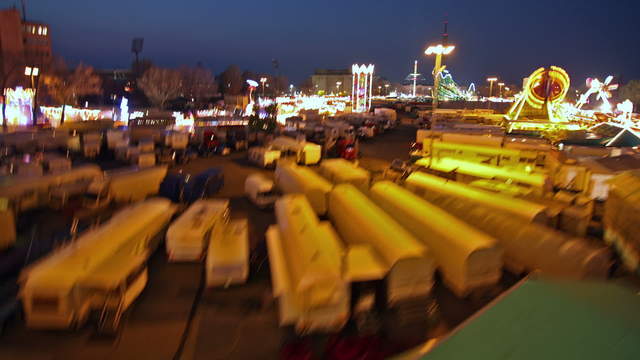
[
  {"x": 198, "y": 83},
  {"x": 631, "y": 91},
  {"x": 161, "y": 85},
  {"x": 307, "y": 86},
  {"x": 66, "y": 86},
  {"x": 232, "y": 80}
]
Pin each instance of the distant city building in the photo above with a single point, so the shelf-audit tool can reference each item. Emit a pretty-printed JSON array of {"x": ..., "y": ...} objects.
[
  {"x": 332, "y": 81},
  {"x": 22, "y": 43}
]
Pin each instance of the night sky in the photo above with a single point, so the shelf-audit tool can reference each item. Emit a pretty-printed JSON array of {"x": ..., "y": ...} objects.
[{"x": 509, "y": 39}]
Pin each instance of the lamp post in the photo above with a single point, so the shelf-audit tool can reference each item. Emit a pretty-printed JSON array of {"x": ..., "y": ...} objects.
[
  {"x": 438, "y": 51},
  {"x": 491, "y": 80},
  {"x": 379, "y": 90},
  {"x": 386, "y": 89},
  {"x": 34, "y": 73},
  {"x": 338, "y": 84},
  {"x": 263, "y": 80},
  {"x": 500, "y": 84}
]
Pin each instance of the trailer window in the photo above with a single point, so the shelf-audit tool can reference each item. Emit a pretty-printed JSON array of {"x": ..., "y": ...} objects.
[{"x": 45, "y": 304}]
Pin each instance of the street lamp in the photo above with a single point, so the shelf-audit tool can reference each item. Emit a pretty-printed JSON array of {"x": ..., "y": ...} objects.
[
  {"x": 386, "y": 89},
  {"x": 500, "y": 84},
  {"x": 263, "y": 80},
  {"x": 379, "y": 90},
  {"x": 438, "y": 51},
  {"x": 338, "y": 84},
  {"x": 34, "y": 73},
  {"x": 491, "y": 80}
]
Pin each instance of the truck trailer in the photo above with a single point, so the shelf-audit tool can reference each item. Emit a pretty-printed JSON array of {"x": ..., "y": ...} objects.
[
  {"x": 103, "y": 271},
  {"x": 306, "y": 259},
  {"x": 467, "y": 258},
  {"x": 293, "y": 179},
  {"x": 409, "y": 264}
]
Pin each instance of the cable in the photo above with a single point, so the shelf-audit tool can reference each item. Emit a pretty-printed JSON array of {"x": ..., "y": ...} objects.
[{"x": 192, "y": 314}]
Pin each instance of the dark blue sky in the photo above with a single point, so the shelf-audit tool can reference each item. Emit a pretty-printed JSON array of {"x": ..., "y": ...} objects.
[{"x": 504, "y": 38}]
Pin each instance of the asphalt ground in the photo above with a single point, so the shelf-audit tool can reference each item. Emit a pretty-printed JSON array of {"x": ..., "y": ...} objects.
[{"x": 177, "y": 318}]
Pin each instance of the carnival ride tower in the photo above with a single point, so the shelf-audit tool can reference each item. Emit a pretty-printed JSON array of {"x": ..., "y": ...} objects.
[{"x": 362, "y": 87}]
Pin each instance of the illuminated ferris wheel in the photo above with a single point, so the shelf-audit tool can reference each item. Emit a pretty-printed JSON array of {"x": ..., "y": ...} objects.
[{"x": 544, "y": 89}]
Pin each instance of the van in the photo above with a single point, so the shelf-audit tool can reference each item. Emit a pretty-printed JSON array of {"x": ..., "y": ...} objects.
[
  {"x": 264, "y": 157},
  {"x": 260, "y": 190}
]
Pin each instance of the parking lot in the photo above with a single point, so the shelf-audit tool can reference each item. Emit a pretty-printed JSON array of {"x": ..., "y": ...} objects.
[{"x": 176, "y": 318}]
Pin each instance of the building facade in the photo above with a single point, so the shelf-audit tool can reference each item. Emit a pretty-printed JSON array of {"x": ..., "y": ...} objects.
[
  {"x": 332, "y": 81},
  {"x": 22, "y": 43}
]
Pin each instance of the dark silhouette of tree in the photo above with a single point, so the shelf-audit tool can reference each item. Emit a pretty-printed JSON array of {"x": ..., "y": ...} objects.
[
  {"x": 631, "y": 91},
  {"x": 232, "y": 81},
  {"x": 198, "y": 84},
  {"x": 161, "y": 85},
  {"x": 66, "y": 86},
  {"x": 307, "y": 86}
]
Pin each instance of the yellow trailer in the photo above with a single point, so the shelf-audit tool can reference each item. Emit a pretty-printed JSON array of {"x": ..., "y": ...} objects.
[
  {"x": 341, "y": 171},
  {"x": 523, "y": 209},
  {"x": 306, "y": 260},
  {"x": 528, "y": 246},
  {"x": 467, "y": 258},
  {"x": 467, "y": 171},
  {"x": 293, "y": 179},
  {"x": 408, "y": 262}
]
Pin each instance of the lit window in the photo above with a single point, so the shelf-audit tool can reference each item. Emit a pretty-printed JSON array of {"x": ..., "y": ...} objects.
[
  {"x": 39, "y": 30},
  {"x": 45, "y": 30}
]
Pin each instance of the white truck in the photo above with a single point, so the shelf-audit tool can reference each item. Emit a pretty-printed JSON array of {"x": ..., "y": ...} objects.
[
  {"x": 260, "y": 190},
  {"x": 228, "y": 254},
  {"x": 188, "y": 236},
  {"x": 103, "y": 271},
  {"x": 264, "y": 157},
  {"x": 303, "y": 152}
]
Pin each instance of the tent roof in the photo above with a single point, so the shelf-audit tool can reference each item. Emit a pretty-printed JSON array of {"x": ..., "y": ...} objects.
[{"x": 541, "y": 319}]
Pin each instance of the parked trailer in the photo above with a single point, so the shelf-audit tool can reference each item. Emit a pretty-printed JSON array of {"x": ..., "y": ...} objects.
[
  {"x": 305, "y": 153},
  {"x": 305, "y": 258},
  {"x": 467, "y": 171},
  {"x": 260, "y": 190},
  {"x": 104, "y": 270},
  {"x": 264, "y": 156},
  {"x": 621, "y": 223},
  {"x": 526, "y": 210},
  {"x": 409, "y": 263},
  {"x": 25, "y": 193},
  {"x": 467, "y": 258},
  {"x": 187, "y": 237},
  {"x": 340, "y": 171},
  {"x": 134, "y": 183},
  {"x": 228, "y": 254},
  {"x": 293, "y": 179},
  {"x": 527, "y": 246}
]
